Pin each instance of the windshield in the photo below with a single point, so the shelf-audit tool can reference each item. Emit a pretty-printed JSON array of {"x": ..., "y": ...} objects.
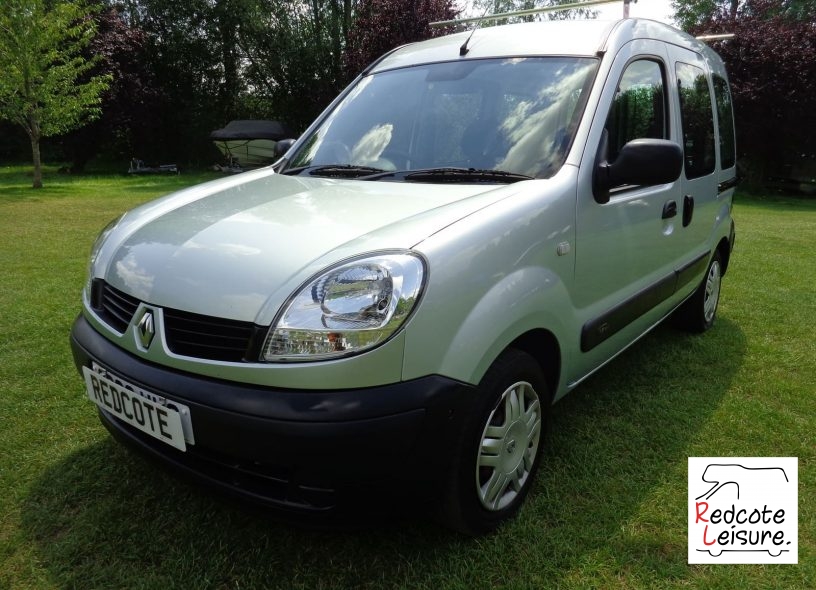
[{"x": 512, "y": 115}]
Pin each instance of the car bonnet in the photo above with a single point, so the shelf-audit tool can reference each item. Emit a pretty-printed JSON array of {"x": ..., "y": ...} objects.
[{"x": 238, "y": 250}]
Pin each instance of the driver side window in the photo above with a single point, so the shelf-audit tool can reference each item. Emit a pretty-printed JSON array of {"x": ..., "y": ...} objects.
[{"x": 639, "y": 107}]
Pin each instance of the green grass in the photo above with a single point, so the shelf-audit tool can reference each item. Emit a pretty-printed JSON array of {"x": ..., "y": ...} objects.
[{"x": 608, "y": 508}]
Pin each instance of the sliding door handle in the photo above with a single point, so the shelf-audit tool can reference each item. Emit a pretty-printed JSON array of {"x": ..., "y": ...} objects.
[{"x": 688, "y": 209}]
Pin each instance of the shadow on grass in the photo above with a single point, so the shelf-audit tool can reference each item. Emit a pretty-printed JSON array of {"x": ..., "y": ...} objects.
[{"x": 105, "y": 518}]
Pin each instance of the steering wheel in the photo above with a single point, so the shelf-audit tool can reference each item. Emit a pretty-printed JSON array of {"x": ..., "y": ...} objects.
[{"x": 399, "y": 158}]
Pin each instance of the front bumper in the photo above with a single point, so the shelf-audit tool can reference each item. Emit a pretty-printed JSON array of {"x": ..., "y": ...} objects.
[{"x": 301, "y": 451}]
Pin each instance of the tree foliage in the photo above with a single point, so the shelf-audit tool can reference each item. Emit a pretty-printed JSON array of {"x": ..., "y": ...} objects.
[
  {"x": 772, "y": 72},
  {"x": 178, "y": 69},
  {"x": 218, "y": 60},
  {"x": 294, "y": 57},
  {"x": 44, "y": 86},
  {"x": 690, "y": 14},
  {"x": 129, "y": 106},
  {"x": 196, "y": 71},
  {"x": 382, "y": 25},
  {"x": 487, "y": 7}
]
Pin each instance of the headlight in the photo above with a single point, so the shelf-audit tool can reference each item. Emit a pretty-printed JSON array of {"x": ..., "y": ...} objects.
[{"x": 347, "y": 309}]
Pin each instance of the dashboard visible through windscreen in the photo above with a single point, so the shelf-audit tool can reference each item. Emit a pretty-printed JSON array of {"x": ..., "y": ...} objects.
[{"x": 516, "y": 115}]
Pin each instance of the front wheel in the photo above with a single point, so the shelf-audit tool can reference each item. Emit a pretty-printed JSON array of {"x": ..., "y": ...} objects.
[{"x": 500, "y": 449}]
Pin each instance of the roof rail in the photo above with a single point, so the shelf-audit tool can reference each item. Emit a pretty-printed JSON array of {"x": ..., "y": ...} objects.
[
  {"x": 488, "y": 17},
  {"x": 717, "y": 37}
]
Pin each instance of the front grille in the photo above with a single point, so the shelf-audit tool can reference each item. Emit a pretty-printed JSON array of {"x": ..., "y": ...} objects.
[
  {"x": 187, "y": 334},
  {"x": 205, "y": 337},
  {"x": 113, "y": 306}
]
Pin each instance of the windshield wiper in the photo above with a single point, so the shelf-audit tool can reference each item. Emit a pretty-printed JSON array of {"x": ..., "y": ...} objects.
[
  {"x": 335, "y": 170},
  {"x": 451, "y": 175}
]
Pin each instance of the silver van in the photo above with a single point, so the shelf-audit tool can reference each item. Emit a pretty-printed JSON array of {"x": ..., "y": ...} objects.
[{"x": 474, "y": 226}]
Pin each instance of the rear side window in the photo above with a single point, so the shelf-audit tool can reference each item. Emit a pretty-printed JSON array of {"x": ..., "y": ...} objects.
[
  {"x": 697, "y": 120},
  {"x": 725, "y": 121},
  {"x": 639, "y": 107}
]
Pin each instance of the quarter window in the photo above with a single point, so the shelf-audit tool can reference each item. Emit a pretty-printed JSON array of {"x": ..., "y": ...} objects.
[
  {"x": 725, "y": 120},
  {"x": 697, "y": 120},
  {"x": 639, "y": 108}
]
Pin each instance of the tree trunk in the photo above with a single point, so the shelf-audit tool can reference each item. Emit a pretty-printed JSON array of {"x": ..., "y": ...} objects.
[
  {"x": 336, "y": 32},
  {"x": 346, "y": 20},
  {"x": 35, "y": 152},
  {"x": 316, "y": 18},
  {"x": 227, "y": 27},
  {"x": 34, "y": 134}
]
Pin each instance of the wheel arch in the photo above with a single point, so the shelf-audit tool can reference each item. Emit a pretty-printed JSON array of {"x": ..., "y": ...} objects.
[
  {"x": 527, "y": 309},
  {"x": 542, "y": 345},
  {"x": 724, "y": 248}
]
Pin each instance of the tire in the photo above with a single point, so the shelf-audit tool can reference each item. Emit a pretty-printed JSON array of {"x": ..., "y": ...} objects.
[
  {"x": 698, "y": 312},
  {"x": 499, "y": 451}
]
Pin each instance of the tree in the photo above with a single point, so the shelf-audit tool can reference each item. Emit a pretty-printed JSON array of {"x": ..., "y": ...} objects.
[
  {"x": 44, "y": 85},
  {"x": 185, "y": 54},
  {"x": 218, "y": 60},
  {"x": 381, "y": 25},
  {"x": 503, "y": 6},
  {"x": 772, "y": 74},
  {"x": 294, "y": 56},
  {"x": 690, "y": 14},
  {"x": 129, "y": 105}
]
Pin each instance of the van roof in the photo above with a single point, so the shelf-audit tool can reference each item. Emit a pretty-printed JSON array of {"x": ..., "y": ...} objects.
[{"x": 559, "y": 37}]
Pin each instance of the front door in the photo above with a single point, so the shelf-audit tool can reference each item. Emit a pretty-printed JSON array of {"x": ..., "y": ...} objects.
[{"x": 627, "y": 249}]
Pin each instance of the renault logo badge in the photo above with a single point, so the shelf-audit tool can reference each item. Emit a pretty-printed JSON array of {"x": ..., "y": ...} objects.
[{"x": 145, "y": 330}]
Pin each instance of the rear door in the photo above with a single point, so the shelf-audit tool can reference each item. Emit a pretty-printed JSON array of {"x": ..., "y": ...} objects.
[{"x": 698, "y": 207}]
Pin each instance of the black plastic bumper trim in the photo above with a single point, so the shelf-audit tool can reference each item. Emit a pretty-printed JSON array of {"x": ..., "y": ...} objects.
[
  {"x": 293, "y": 449},
  {"x": 257, "y": 400}
]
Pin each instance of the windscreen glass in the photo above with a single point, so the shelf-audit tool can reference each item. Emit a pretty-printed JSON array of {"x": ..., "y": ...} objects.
[{"x": 513, "y": 115}]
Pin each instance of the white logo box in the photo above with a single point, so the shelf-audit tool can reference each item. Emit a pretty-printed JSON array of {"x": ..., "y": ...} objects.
[{"x": 743, "y": 510}]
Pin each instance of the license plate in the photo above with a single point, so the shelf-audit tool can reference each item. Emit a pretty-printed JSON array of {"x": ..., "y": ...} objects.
[{"x": 162, "y": 419}]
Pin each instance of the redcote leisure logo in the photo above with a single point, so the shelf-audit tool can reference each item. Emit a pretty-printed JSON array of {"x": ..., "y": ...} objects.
[{"x": 743, "y": 510}]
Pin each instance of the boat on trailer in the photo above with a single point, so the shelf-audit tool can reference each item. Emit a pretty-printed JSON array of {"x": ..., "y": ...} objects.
[{"x": 249, "y": 143}]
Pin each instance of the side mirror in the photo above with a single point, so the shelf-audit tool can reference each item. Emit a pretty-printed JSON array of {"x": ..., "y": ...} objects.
[
  {"x": 641, "y": 162},
  {"x": 283, "y": 146}
]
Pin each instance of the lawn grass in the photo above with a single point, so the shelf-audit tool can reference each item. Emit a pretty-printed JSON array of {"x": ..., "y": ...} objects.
[{"x": 609, "y": 505}]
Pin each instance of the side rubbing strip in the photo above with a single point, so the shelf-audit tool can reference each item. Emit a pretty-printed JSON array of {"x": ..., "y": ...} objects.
[
  {"x": 599, "y": 329},
  {"x": 692, "y": 270}
]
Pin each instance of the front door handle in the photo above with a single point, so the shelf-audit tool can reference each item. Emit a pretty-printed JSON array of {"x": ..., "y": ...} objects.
[{"x": 669, "y": 210}]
